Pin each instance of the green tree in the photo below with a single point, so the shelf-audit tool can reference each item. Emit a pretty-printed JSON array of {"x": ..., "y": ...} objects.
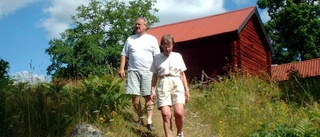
[
  {"x": 4, "y": 82},
  {"x": 4, "y": 68},
  {"x": 94, "y": 44},
  {"x": 294, "y": 29}
]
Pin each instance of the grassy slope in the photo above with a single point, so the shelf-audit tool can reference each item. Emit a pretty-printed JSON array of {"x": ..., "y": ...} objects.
[
  {"x": 193, "y": 127},
  {"x": 238, "y": 106}
]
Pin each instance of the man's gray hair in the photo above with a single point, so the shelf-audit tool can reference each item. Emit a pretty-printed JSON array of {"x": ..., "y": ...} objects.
[{"x": 145, "y": 21}]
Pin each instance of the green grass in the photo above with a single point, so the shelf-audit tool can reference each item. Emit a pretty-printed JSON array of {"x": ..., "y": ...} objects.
[
  {"x": 237, "y": 106},
  {"x": 242, "y": 105}
]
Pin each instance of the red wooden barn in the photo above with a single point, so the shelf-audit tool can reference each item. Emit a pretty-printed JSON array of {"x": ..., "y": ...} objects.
[{"x": 209, "y": 44}]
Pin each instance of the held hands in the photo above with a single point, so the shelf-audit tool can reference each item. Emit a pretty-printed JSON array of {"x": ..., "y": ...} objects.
[
  {"x": 153, "y": 96},
  {"x": 153, "y": 92}
]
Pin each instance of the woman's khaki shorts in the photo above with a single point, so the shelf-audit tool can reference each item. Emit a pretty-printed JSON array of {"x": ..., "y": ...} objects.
[{"x": 170, "y": 91}]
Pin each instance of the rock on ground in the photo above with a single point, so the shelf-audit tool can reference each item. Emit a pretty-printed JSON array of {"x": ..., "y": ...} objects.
[{"x": 86, "y": 130}]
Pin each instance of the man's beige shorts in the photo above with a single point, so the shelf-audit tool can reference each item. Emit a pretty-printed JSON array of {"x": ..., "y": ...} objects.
[{"x": 170, "y": 91}]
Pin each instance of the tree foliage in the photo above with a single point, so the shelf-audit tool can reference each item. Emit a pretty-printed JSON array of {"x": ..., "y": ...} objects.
[
  {"x": 294, "y": 29},
  {"x": 4, "y": 82},
  {"x": 93, "y": 45},
  {"x": 4, "y": 68}
]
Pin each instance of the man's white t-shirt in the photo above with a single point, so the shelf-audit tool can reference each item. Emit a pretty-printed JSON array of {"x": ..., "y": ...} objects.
[
  {"x": 168, "y": 65},
  {"x": 140, "y": 51}
]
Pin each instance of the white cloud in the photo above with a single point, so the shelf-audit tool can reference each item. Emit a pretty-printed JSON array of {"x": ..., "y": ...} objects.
[
  {"x": 30, "y": 77},
  {"x": 171, "y": 11},
  {"x": 60, "y": 13},
  {"x": 10, "y": 6},
  {"x": 55, "y": 26}
]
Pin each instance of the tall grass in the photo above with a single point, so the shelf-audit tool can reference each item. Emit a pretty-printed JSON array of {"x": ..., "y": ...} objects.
[
  {"x": 247, "y": 105},
  {"x": 53, "y": 109},
  {"x": 301, "y": 91},
  {"x": 236, "y": 106}
]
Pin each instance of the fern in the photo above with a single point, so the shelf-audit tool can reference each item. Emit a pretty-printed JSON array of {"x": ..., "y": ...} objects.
[{"x": 303, "y": 128}]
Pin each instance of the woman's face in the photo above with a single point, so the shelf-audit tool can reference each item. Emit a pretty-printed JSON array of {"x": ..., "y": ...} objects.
[{"x": 167, "y": 48}]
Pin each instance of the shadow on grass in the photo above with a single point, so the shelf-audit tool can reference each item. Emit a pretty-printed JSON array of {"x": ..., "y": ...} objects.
[{"x": 141, "y": 130}]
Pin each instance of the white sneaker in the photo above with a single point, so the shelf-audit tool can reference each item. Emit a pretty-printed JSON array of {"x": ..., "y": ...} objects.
[{"x": 180, "y": 135}]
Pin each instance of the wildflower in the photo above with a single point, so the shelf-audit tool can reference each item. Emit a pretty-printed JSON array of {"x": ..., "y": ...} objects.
[{"x": 101, "y": 120}]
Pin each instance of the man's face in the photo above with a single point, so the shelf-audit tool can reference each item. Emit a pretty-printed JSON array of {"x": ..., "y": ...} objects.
[{"x": 140, "y": 26}]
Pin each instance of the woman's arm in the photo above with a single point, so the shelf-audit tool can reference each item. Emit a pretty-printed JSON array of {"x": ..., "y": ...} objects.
[{"x": 186, "y": 86}]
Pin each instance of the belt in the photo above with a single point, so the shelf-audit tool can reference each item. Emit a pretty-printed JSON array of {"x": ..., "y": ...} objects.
[{"x": 168, "y": 75}]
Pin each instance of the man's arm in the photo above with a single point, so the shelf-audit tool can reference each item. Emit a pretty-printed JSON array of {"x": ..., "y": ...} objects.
[
  {"x": 153, "y": 86},
  {"x": 121, "y": 71}
]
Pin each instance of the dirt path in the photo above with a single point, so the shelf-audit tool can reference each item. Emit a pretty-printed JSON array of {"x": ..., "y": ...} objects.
[{"x": 192, "y": 126}]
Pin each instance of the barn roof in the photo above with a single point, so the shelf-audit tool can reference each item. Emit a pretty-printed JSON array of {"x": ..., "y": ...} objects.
[
  {"x": 307, "y": 68},
  {"x": 208, "y": 26}
]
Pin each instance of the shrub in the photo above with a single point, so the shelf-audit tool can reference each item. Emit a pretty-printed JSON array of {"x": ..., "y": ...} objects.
[{"x": 52, "y": 109}]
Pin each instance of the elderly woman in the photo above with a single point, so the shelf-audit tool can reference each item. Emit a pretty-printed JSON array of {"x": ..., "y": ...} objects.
[{"x": 172, "y": 91}]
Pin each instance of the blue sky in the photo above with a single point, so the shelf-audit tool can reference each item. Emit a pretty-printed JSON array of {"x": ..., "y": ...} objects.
[{"x": 27, "y": 26}]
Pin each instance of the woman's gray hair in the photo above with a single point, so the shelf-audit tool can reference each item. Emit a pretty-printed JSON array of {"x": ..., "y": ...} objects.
[{"x": 167, "y": 38}]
